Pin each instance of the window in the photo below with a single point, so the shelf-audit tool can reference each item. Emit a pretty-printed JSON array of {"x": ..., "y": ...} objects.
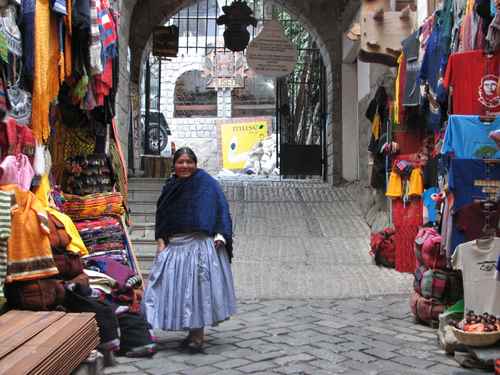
[
  {"x": 192, "y": 98},
  {"x": 257, "y": 98}
]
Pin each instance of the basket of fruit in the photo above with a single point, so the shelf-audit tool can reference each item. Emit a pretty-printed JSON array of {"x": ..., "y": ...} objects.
[{"x": 477, "y": 330}]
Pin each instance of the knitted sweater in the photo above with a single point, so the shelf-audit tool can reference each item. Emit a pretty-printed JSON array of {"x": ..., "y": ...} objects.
[{"x": 29, "y": 256}]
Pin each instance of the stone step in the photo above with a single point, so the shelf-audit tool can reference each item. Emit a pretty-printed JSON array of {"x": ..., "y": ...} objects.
[
  {"x": 142, "y": 195},
  {"x": 142, "y": 207},
  {"x": 143, "y": 217},
  {"x": 147, "y": 184},
  {"x": 145, "y": 252},
  {"x": 142, "y": 232}
]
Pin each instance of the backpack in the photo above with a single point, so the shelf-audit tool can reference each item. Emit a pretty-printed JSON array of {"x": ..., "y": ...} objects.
[
  {"x": 383, "y": 248},
  {"x": 442, "y": 286},
  {"x": 426, "y": 310},
  {"x": 428, "y": 249}
]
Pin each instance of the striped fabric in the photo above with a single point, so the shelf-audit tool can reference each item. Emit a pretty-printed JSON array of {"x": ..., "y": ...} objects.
[
  {"x": 107, "y": 29},
  {"x": 95, "y": 40},
  {"x": 5, "y": 228}
]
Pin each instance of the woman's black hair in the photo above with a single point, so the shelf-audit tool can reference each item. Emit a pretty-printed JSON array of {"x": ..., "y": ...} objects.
[{"x": 185, "y": 151}]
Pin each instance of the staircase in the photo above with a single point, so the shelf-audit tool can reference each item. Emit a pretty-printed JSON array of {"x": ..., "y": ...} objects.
[{"x": 143, "y": 194}]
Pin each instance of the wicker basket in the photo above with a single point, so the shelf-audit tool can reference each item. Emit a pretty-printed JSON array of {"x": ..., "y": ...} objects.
[{"x": 477, "y": 339}]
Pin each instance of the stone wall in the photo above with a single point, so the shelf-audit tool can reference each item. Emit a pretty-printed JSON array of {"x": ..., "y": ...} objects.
[{"x": 201, "y": 135}]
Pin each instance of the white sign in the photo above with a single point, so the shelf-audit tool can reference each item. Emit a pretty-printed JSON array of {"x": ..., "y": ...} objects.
[{"x": 271, "y": 54}]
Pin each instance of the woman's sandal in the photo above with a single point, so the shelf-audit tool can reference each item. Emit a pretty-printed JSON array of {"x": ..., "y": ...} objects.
[{"x": 195, "y": 347}]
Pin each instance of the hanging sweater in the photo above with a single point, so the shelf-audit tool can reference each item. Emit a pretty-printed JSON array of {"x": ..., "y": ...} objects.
[{"x": 29, "y": 256}]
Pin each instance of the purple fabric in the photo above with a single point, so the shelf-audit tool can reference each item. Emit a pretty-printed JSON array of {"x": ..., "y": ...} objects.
[{"x": 112, "y": 268}]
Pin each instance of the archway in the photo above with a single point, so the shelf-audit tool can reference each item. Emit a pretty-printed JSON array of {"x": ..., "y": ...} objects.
[{"x": 149, "y": 13}]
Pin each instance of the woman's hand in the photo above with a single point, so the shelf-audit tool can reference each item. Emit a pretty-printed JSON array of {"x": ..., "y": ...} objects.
[
  {"x": 160, "y": 245},
  {"x": 219, "y": 241}
]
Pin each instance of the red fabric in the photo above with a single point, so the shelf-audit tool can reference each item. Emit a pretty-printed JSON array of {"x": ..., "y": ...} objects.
[
  {"x": 407, "y": 221},
  {"x": 474, "y": 78},
  {"x": 471, "y": 220},
  {"x": 103, "y": 83},
  {"x": 16, "y": 139},
  {"x": 410, "y": 142}
]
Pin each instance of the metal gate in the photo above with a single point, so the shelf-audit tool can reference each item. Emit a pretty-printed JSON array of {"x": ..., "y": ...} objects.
[{"x": 301, "y": 118}]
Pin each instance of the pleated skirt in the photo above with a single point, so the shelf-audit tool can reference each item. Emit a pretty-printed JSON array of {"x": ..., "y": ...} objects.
[{"x": 190, "y": 285}]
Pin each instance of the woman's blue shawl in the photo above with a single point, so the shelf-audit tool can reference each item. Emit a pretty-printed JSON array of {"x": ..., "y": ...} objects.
[{"x": 195, "y": 204}]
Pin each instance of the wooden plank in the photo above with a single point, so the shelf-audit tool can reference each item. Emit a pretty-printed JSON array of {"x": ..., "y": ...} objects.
[
  {"x": 68, "y": 358},
  {"x": 18, "y": 327},
  {"x": 32, "y": 354}
]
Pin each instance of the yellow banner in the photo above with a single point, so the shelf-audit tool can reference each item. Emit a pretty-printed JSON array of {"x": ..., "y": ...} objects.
[{"x": 239, "y": 139}]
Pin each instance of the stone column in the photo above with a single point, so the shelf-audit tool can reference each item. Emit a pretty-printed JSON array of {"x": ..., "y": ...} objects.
[{"x": 224, "y": 103}]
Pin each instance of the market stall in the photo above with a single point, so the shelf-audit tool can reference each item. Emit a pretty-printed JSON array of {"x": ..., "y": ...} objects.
[
  {"x": 63, "y": 186},
  {"x": 436, "y": 151}
]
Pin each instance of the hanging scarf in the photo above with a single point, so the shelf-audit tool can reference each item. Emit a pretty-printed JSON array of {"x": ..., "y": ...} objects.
[
  {"x": 107, "y": 30},
  {"x": 95, "y": 40},
  {"x": 195, "y": 204},
  {"x": 46, "y": 77}
]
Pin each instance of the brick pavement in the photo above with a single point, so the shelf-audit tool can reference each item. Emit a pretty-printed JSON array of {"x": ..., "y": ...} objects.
[
  {"x": 311, "y": 301},
  {"x": 373, "y": 336}
]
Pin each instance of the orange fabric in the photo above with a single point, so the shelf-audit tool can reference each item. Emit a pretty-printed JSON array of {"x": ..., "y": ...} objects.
[
  {"x": 29, "y": 256},
  {"x": 68, "y": 57},
  {"x": 46, "y": 75}
]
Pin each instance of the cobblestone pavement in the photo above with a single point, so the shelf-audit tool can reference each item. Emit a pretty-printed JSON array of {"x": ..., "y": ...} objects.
[
  {"x": 311, "y": 301},
  {"x": 304, "y": 240},
  {"x": 375, "y": 336}
]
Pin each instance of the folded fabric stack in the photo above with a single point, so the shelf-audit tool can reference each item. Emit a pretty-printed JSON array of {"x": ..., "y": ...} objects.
[
  {"x": 103, "y": 234},
  {"x": 117, "y": 255},
  {"x": 93, "y": 206}
]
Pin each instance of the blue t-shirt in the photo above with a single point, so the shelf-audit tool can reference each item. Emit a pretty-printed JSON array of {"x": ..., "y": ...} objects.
[
  {"x": 431, "y": 72},
  {"x": 468, "y": 138},
  {"x": 462, "y": 177}
]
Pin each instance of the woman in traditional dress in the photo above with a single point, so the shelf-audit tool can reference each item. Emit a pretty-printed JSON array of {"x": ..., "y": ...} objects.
[{"x": 191, "y": 284}]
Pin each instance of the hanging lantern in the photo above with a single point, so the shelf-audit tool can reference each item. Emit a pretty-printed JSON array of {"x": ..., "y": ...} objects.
[{"x": 237, "y": 17}]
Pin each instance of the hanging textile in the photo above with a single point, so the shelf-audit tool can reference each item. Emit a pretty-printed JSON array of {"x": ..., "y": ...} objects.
[
  {"x": 46, "y": 76},
  {"x": 29, "y": 252},
  {"x": 407, "y": 219}
]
